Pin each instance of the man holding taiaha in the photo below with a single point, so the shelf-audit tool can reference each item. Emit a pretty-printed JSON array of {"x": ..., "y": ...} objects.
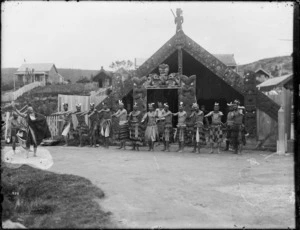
[
  {"x": 215, "y": 132},
  {"x": 229, "y": 124},
  {"x": 135, "y": 127},
  {"x": 67, "y": 123},
  {"x": 167, "y": 127},
  {"x": 198, "y": 135},
  {"x": 160, "y": 120},
  {"x": 237, "y": 128},
  {"x": 151, "y": 132},
  {"x": 37, "y": 128},
  {"x": 181, "y": 126},
  {"x": 82, "y": 127},
  {"x": 123, "y": 125},
  {"x": 105, "y": 124}
]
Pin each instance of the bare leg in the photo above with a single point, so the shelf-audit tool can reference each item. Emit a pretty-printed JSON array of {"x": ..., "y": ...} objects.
[
  {"x": 14, "y": 145},
  {"x": 219, "y": 148},
  {"x": 34, "y": 151},
  {"x": 199, "y": 146},
  {"x": 66, "y": 140}
]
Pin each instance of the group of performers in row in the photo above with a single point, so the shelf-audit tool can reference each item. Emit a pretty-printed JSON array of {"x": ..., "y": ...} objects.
[{"x": 159, "y": 126}]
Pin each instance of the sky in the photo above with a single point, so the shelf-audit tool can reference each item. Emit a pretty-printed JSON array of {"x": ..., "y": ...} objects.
[{"x": 88, "y": 35}]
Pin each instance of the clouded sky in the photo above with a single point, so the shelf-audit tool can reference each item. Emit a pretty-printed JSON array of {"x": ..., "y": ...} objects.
[{"x": 89, "y": 35}]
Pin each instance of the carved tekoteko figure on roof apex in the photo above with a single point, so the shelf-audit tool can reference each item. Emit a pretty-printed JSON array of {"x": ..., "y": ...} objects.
[{"x": 178, "y": 20}]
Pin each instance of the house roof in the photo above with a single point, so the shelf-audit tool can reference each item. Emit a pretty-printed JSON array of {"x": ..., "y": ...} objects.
[
  {"x": 212, "y": 63},
  {"x": 275, "y": 82},
  {"x": 265, "y": 71},
  {"x": 227, "y": 59},
  {"x": 102, "y": 70},
  {"x": 37, "y": 67}
]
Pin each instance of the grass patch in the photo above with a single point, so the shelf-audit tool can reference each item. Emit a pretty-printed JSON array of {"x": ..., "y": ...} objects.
[{"x": 50, "y": 200}]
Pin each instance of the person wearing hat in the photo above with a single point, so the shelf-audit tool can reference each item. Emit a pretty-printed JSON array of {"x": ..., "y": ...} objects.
[
  {"x": 229, "y": 124},
  {"x": 160, "y": 121},
  {"x": 199, "y": 136},
  {"x": 123, "y": 125},
  {"x": 82, "y": 127},
  {"x": 37, "y": 128},
  {"x": 135, "y": 127},
  {"x": 181, "y": 125},
  {"x": 151, "y": 132},
  {"x": 168, "y": 127},
  {"x": 93, "y": 116},
  {"x": 236, "y": 137},
  {"x": 105, "y": 124},
  {"x": 215, "y": 132},
  {"x": 67, "y": 123}
]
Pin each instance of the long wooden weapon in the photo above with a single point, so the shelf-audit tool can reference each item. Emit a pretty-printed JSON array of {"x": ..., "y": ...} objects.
[{"x": 173, "y": 13}]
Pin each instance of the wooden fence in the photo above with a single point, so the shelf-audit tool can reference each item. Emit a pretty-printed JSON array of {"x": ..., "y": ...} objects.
[{"x": 10, "y": 96}]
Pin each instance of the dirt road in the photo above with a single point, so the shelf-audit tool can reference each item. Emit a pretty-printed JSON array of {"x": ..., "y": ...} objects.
[{"x": 157, "y": 189}]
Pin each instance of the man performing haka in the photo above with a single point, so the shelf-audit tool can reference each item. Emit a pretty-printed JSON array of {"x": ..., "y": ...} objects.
[
  {"x": 199, "y": 136},
  {"x": 123, "y": 124},
  {"x": 237, "y": 133},
  {"x": 160, "y": 121},
  {"x": 105, "y": 125},
  {"x": 135, "y": 127},
  {"x": 68, "y": 124},
  {"x": 215, "y": 132},
  {"x": 229, "y": 124},
  {"x": 94, "y": 124},
  {"x": 168, "y": 115},
  {"x": 37, "y": 128},
  {"x": 151, "y": 133},
  {"x": 82, "y": 127},
  {"x": 182, "y": 115}
]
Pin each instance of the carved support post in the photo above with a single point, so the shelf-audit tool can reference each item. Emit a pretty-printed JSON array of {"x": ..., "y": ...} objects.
[
  {"x": 179, "y": 60},
  {"x": 250, "y": 104}
]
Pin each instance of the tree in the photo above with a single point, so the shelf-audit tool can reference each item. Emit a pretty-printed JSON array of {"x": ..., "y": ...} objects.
[
  {"x": 83, "y": 80},
  {"x": 127, "y": 65}
]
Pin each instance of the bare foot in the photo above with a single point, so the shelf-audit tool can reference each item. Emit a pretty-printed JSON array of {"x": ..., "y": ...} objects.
[{"x": 211, "y": 151}]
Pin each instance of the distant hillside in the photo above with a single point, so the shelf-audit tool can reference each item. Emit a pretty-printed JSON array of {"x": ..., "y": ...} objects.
[{"x": 270, "y": 64}]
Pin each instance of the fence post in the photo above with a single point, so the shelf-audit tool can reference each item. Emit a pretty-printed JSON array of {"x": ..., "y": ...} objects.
[
  {"x": 292, "y": 123},
  {"x": 281, "y": 132}
]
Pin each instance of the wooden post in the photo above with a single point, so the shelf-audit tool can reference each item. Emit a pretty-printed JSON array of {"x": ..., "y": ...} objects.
[
  {"x": 281, "y": 132},
  {"x": 292, "y": 123},
  {"x": 179, "y": 60}
]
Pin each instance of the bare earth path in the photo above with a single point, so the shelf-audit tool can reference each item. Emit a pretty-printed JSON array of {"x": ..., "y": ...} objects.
[{"x": 158, "y": 189}]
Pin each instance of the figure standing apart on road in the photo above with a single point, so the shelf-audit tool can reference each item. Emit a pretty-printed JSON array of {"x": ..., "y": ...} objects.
[
  {"x": 199, "y": 136},
  {"x": 123, "y": 124},
  {"x": 215, "y": 132},
  {"x": 181, "y": 126},
  {"x": 105, "y": 125},
  {"x": 151, "y": 133},
  {"x": 37, "y": 128},
  {"x": 135, "y": 130}
]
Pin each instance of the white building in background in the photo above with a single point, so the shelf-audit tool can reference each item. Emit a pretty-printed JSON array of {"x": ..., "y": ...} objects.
[{"x": 42, "y": 72}]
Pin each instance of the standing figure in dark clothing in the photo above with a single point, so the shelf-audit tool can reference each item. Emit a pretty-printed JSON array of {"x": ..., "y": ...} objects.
[
  {"x": 237, "y": 129},
  {"x": 94, "y": 124},
  {"x": 135, "y": 129},
  {"x": 37, "y": 128}
]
